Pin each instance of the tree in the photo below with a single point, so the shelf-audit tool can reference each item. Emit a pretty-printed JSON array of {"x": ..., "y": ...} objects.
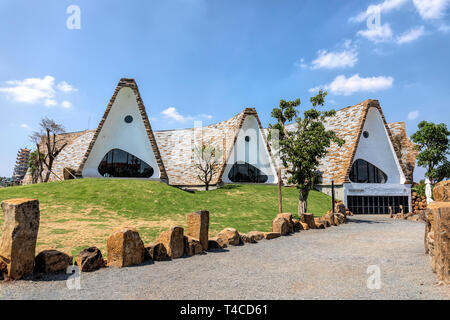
[
  {"x": 302, "y": 147},
  {"x": 47, "y": 135},
  {"x": 432, "y": 142},
  {"x": 35, "y": 166},
  {"x": 206, "y": 161}
]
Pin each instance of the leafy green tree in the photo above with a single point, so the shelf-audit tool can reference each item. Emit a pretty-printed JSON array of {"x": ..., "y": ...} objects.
[
  {"x": 305, "y": 142},
  {"x": 432, "y": 142},
  {"x": 35, "y": 166}
]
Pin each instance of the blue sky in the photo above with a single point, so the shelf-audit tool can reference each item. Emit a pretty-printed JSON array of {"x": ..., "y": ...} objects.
[{"x": 208, "y": 59}]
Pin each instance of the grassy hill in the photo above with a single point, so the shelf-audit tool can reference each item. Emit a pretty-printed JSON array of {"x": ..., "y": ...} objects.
[{"x": 80, "y": 213}]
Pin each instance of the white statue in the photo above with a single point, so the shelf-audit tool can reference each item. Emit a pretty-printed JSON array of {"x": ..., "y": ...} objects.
[{"x": 428, "y": 190}]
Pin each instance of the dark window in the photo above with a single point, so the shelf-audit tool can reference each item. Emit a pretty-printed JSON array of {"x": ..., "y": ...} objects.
[
  {"x": 366, "y": 134},
  {"x": 365, "y": 172},
  {"x": 377, "y": 204},
  {"x": 128, "y": 119},
  {"x": 245, "y": 172},
  {"x": 247, "y": 138},
  {"x": 121, "y": 164}
]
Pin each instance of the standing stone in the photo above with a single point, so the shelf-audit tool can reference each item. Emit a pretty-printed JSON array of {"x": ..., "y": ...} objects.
[
  {"x": 308, "y": 218},
  {"x": 125, "y": 248},
  {"x": 173, "y": 240},
  {"x": 229, "y": 236},
  {"x": 90, "y": 259},
  {"x": 280, "y": 225},
  {"x": 288, "y": 217},
  {"x": 19, "y": 234},
  {"x": 156, "y": 252},
  {"x": 52, "y": 261},
  {"x": 198, "y": 227},
  {"x": 441, "y": 248}
]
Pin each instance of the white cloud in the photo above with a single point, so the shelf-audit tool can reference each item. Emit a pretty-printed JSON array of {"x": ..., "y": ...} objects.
[
  {"x": 444, "y": 28},
  {"x": 31, "y": 90},
  {"x": 66, "y": 104},
  {"x": 50, "y": 103},
  {"x": 335, "y": 59},
  {"x": 431, "y": 9},
  {"x": 411, "y": 35},
  {"x": 173, "y": 114},
  {"x": 36, "y": 90},
  {"x": 342, "y": 85},
  {"x": 379, "y": 34},
  {"x": 413, "y": 115},
  {"x": 25, "y": 126},
  {"x": 384, "y": 7},
  {"x": 65, "y": 87}
]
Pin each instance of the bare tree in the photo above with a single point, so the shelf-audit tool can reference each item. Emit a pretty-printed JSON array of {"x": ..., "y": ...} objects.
[
  {"x": 47, "y": 135},
  {"x": 206, "y": 161}
]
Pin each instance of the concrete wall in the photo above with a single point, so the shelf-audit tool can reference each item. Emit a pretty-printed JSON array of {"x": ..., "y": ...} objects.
[
  {"x": 253, "y": 152},
  {"x": 338, "y": 191},
  {"x": 117, "y": 134}
]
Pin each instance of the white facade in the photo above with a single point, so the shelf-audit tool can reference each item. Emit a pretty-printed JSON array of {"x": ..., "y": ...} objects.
[
  {"x": 253, "y": 151},
  {"x": 117, "y": 134},
  {"x": 379, "y": 151}
]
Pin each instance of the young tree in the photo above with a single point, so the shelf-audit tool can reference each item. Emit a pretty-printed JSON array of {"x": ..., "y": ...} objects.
[
  {"x": 206, "y": 161},
  {"x": 49, "y": 130},
  {"x": 35, "y": 166},
  {"x": 302, "y": 147},
  {"x": 432, "y": 142}
]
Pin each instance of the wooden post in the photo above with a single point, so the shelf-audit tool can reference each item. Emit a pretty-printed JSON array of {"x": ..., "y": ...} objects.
[
  {"x": 332, "y": 195},
  {"x": 280, "y": 200}
]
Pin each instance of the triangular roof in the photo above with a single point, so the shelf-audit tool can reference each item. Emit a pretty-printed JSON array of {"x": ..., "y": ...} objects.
[
  {"x": 176, "y": 147},
  {"x": 131, "y": 83},
  {"x": 348, "y": 123}
]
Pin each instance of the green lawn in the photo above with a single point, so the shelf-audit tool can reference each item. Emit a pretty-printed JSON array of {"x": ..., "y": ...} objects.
[{"x": 79, "y": 213}]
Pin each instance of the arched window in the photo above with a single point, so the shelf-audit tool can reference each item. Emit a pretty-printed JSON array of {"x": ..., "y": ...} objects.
[
  {"x": 365, "y": 172},
  {"x": 121, "y": 164},
  {"x": 245, "y": 172}
]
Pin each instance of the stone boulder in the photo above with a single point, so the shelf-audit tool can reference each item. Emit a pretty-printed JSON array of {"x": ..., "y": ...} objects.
[
  {"x": 247, "y": 238},
  {"x": 173, "y": 240},
  {"x": 216, "y": 243},
  {"x": 304, "y": 226},
  {"x": 229, "y": 236},
  {"x": 52, "y": 261},
  {"x": 330, "y": 218},
  {"x": 340, "y": 218},
  {"x": 319, "y": 223},
  {"x": 308, "y": 218},
  {"x": 441, "y": 242},
  {"x": 125, "y": 248},
  {"x": 198, "y": 227},
  {"x": 288, "y": 217},
  {"x": 280, "y": 225},
  {"x": 19, "y": 235},
  {"x": 90, "y": 259},
  {"x": 441, "y": 191},
  {"x": 156, "y": 252},
  {"x": 297, "y": 225},
  {"x": 271, "y": 235},
  {"x": 192, "y": 246},
  {"x": 258, "y": 235}
]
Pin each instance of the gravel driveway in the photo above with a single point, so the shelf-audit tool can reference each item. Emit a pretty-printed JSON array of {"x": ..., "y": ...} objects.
[{"x": 315, "y": 264}]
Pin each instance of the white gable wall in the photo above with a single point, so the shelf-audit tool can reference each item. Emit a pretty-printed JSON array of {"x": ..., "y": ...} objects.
[
  {"x": 377, "y": 148},
  {"x": 253, "y": 152},
  {"x": 117, "y": 134}
]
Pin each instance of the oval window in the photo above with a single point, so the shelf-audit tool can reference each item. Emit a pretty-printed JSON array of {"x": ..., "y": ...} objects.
[
  {"x": 128, "y": 119},
  {"x": 366, "y": 134},
  {"x": 121, "y": 164}
]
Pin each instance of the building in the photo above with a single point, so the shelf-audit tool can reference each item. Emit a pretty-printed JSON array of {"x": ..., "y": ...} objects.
[
  {"x": 21, "y": 166},
  {"x": 371, "y": 171}
]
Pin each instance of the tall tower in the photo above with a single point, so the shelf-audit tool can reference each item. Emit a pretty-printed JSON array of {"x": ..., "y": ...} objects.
[{"x": 21, "y": 167}]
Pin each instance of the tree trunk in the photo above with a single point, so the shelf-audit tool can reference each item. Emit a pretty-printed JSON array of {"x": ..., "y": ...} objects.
[
  {"x": 302, "y": 202},
  {"x": 49, "y": 169}
]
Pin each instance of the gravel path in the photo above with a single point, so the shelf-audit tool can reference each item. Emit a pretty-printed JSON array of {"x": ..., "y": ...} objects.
[{"x": 315, "y": 264}]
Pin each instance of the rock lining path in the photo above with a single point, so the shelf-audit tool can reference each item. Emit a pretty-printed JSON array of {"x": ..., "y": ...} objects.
[{"x": 314, "y": 264}]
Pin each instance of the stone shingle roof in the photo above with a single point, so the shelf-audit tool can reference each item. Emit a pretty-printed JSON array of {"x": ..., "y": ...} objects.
[{"x": 407, "y": 152}]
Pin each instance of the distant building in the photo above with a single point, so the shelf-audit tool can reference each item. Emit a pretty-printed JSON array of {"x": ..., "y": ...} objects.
[{"x": 21, "y": 167}]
